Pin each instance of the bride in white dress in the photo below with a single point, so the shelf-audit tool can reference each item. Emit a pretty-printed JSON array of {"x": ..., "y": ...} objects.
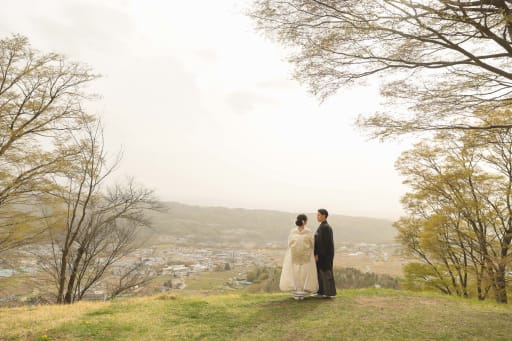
[{"x": 299, "y": 268}]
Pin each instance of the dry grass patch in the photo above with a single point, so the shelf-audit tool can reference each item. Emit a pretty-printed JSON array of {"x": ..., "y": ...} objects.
[
  {"x": 396, "y": 302},
  {"x": 26, "y": 322}
]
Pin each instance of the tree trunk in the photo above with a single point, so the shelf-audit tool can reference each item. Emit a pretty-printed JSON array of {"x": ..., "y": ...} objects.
[
  {"x": 481, "y": 295},
  {"x": 500, "y": 286},
  {"x": 68, "y": 298},
  {"x": 62, "y": 276}
]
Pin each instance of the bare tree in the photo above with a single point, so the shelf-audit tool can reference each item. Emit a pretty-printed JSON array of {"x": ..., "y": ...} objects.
[
  {"x": 91, "y": 229},
  {"x": 442, "y": 59},
  {"x": 41, "y": 95},
  {"x": 127, "y": 279}
]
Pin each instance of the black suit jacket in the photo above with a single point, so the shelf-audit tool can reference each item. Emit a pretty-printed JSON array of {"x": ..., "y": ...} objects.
[{"x": 324, "y": 246}]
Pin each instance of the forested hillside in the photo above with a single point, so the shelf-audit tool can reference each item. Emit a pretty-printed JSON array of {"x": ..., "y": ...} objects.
[{"x": 226, "y": 224}]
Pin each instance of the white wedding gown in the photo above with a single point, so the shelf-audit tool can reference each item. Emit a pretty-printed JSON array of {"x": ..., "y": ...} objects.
[{"x": 299, "y": 267}]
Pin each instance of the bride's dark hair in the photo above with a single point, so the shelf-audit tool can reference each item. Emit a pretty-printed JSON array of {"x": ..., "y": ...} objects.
[{"x": 301, "y": 219}]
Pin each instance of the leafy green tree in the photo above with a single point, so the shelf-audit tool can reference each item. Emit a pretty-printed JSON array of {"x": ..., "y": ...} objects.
[
  {"x": 459, "y": 216},
  {"x": 41, "y": 98},
  {"x": 351, "y": 278}
]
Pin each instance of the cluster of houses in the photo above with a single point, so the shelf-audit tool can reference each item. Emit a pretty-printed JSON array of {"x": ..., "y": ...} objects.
[
  {"x": 7, "y": 272},
  {"x": 380, "y": 252},
  {"x": 181, "y": 261},
  {"x": 176, "y": 260},
  {"x": 25, "y": 263}
]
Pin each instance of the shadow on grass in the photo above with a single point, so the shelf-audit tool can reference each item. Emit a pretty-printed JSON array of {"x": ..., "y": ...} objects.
[
  {"x": 285, "y": 317},
  {"x": 254, "y": 315},
  {"x": 308, "y": 303}
]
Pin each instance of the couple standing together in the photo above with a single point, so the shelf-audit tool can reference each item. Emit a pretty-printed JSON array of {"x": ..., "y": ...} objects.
[{"x": 307, "y": 266}]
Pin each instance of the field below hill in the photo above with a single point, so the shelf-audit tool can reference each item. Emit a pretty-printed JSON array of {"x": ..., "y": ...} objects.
[{"x": 368, "y": 314}]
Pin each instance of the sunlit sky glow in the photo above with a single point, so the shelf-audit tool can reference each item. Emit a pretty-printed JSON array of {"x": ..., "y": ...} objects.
[{"x": 206, "y": 111}]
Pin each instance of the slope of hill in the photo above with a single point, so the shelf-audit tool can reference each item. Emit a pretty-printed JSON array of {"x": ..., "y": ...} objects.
[
  {"x": 367, "y": 314},
  {"x": 227, "y": 224}
]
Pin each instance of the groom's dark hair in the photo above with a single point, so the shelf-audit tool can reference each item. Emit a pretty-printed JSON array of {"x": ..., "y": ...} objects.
[{"x": 324, "y": 212}]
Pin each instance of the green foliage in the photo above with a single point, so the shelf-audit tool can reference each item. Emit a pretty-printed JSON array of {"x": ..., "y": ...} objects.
[
  {"x": 41, "y": 100},
  {"x": 459, "y": 211},
  {"x": 420, "y": 277},
  {"x": 267, "y": 279},
  {"x": 350, "y": 278}
]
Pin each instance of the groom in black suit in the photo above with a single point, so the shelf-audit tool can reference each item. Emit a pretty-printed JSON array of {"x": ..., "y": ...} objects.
[{"x": 324, "y": 256}]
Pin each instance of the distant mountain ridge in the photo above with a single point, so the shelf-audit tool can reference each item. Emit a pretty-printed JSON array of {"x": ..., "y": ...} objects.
[{"x": 198, "y": 224}]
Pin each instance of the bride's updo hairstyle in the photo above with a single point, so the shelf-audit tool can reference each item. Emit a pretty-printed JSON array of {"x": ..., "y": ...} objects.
[{"x": 301, "y": 219}]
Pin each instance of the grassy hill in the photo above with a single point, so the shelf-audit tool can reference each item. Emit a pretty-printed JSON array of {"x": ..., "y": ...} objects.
[
  {"x": 367, "y": 314},
  {"x": 243, "y": 225}
]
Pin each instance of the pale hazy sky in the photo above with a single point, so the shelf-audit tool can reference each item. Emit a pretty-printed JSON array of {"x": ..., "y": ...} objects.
[{"x": 206, "y": 111}]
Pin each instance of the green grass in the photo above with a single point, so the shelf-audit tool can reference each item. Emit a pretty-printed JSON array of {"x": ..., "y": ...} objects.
[
  {"x": 368, "y": 314},
  {"x": 215, "y": 281}
]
